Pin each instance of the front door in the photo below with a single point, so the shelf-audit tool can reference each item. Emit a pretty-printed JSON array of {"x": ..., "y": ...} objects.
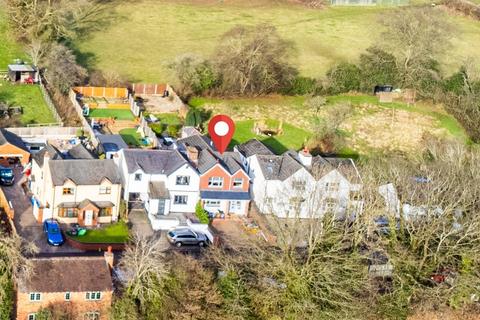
[
  {"x": 161, "y": 207},
  {"x": 88, "y": 217}
]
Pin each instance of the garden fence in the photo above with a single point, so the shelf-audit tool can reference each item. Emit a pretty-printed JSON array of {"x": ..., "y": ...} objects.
[
  {"x": 50, "y": 104},
  {"x": 148, "y": 132},
  {"x": 86, "y": 126}
]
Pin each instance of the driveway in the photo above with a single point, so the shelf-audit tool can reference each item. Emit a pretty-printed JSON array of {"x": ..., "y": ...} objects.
[{"x": 25, "y": 223}]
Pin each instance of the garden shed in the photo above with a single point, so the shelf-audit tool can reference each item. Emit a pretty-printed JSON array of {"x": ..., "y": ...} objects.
[{"x": 22, "y": 73}]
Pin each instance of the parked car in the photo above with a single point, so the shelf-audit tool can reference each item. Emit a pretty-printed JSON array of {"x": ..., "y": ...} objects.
[
  {"x": 168, "y": 141},
  {"x": 53, "y": 232},
  {"x": 6, "y": 176},
  {"x": 185, "y": 236}
]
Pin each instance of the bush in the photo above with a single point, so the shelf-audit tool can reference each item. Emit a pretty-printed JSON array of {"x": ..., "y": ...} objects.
[
  {"x": 195, "y": 74},
  {"x": 201, "y": 213},
  {"x": 193, "y": 118},
  {"x": 301, "y": 86},
  {"x": 157, "y": 128},
  {"x": 343, "y": 78},
  {"x": 172, "y": 130},
  {"x": 377, "y": 67}
]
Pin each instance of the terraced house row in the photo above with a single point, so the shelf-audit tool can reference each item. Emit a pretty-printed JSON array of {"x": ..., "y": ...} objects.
[{"x": 75, "y": 186}]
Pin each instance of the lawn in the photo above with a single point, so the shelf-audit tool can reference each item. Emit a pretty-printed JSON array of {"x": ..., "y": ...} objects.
[
  {"x": 9, "y": 48},
  {"x": 292, "y": 137},
  {"x": 146, "y": 36},
  {"x": 131, "y": 137},
  {"x": 119, "y": 114},
  {"x": 30, "y": 98},
  {"x": 114, "y": 233}
]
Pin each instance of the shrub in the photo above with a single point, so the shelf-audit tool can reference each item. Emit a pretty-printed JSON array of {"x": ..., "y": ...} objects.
[
  {"x": 193, "y": 118},
  {"x": 157, "y": 128},
  {"x": 343, "y": 78},
  {"x": 172, "y": 130},
  {"x": 377, "y": 67},
  {"x": 201, "y": 213},
  {"x": 301, "y": 86}
]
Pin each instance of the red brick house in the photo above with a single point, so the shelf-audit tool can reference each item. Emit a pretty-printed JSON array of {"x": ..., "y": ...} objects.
[
  {"x": 80, "y": 286},
  {"x": 224, "y": 183}
]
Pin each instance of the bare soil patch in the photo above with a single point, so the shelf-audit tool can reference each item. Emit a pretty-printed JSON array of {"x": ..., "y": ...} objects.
[{"x": 390, "y": 130}]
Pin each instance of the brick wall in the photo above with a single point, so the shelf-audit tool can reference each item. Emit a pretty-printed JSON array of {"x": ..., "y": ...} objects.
[{"x": 77, "y": 305}]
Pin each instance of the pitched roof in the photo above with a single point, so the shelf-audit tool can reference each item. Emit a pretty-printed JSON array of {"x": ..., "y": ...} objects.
[
  {"x": 83, "y": 172},
  {"x": 252, "y": 147},
  {"x": 157, "y": 190},
  {"x": 153, "y": 161},
  {"x": 11, "y": 138},
  {"x": 79, "y": 152},
  {"x": 67, "y": 274},
  {"x": 197, "y": 141},
  {"x": 345, "y": 166},
  {"x": 230, "y": 161},
  {"x": 108, "y": 140},
  {"x": 86, "y": 202},
  {"x": 21, "y": 68},
  {"x": 278, "y": 167},
  {"x": 189, "y": 131}
]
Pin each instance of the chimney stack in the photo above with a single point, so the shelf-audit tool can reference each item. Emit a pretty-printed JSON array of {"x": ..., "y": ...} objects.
[
  {"x": 305, "y": 157},
  {"x": 108, "y": 255}
]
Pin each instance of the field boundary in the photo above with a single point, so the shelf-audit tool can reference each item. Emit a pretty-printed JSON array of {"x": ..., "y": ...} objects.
[{"x": 50, "y": 104}]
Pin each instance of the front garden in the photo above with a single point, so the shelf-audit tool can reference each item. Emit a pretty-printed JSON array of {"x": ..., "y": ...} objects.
[{"x": 114, "y": 233}]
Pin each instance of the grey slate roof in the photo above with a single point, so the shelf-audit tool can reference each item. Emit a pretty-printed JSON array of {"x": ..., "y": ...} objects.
[
  {"x": 197, "y": 141},
  {"x": 229, "y": 160},
  {"x": 106, "y": 139},
  {"x": 20, "y": 68},
  {"x": 11, "y": 138},
  {"x": 157, "y": 190},
  {"x": 153, "y": 161},
  {"x": 67, "y": 274},
  {"x": 346, "y": 167},
  {"x": 225, "y": 195},
  {"x": 278, "y": 167},
  {"x": 83, "y": 172},
  {"x": 79, "y": 152},
  {"x": 252, "y": 147}
]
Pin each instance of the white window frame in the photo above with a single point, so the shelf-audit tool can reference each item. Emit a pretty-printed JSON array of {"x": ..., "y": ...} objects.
[
  {"x": 215, "y": 182},
  {"x": 213, "y": 203},
  {"x": 137, "y": 177},
  {"x": 93, "y": 295},
  {"x": 32, "y": 316},
  {"x": 179, "y": 179},
  {"x": 92, "y": 315},
  {"x": 37, "y": 296},
  {"x": 235, "y": 205},
  {"x": 178, "y": 197},
  {"x": 67, "y": 296},
  {"x": 332, "y": 186},
  {"x": 236, "y": 180},
  {"x": 105, "y": 190},
  {"x": 329, "y": 205}
]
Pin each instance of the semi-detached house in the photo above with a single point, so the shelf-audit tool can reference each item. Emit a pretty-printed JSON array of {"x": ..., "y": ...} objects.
[
  {"x": 74, "y": 187},
  {"x": 160, "y": 181},
  {"x": 224, "y": 184}
]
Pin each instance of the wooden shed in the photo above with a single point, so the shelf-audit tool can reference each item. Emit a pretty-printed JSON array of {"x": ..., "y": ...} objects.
[{"x": 24, "y": 73}]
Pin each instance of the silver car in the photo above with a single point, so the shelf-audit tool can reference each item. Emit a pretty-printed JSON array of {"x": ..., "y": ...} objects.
[{"x": 185, "y": 236}]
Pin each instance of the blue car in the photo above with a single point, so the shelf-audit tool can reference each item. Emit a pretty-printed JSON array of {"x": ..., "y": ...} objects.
[{"x": 54, "y": 234}]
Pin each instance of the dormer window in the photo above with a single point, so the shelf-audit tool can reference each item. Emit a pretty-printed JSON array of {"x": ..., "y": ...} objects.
[
  {"x": 215, "y": 182},
  {"x": 138, "y": 177},
  {"x": 183, "y": 180},
  {"x": 237, "y": 182},
  {"x": 68, "y": 191},
  {"x": 332, "y": 186}
]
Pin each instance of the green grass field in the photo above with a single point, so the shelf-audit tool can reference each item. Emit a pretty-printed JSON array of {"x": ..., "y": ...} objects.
[
  {"x": 30, "y": 98},
  {"x": 115, "y": 233},
  {"x": 292, "y": 137},
  {"x": 131, "y": 137},
  {"x": 147, "y": 35},
  {"x": 111, "y": 113},
  {"x": 9, "y": 48}
]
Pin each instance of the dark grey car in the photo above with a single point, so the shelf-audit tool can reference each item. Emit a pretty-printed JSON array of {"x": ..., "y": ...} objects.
[{"x": 185, "y": 236}]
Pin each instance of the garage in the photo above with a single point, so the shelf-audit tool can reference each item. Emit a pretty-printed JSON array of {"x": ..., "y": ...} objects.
[{"x": 13, "y": 149}]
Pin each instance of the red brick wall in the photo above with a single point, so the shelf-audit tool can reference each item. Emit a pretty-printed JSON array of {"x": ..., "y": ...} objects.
[
  {"x": 77, "y": 304},
  {"x": 7, "y": 149},
  {"x": 217, "y": 171}
]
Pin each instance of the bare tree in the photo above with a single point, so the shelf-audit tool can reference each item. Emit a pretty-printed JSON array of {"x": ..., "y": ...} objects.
[
  {"x": 253, "y": 60},
  {"x": 415, "y": 35}
]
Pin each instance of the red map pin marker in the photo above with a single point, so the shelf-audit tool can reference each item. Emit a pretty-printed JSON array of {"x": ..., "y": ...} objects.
[{"x": 221, "y": 129}]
